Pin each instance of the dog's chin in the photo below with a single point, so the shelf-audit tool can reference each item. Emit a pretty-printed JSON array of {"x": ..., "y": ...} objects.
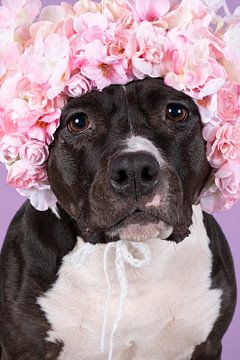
[{"x": 141, "y": 227}]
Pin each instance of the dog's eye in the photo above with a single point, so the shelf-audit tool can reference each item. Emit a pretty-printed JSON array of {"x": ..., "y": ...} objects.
[
  {"x": 78, "y": 123},
  {"x": 176, "y": 112}
]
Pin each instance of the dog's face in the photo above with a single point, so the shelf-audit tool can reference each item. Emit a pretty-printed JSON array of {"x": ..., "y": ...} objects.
[{"x": 129, "y": 162}]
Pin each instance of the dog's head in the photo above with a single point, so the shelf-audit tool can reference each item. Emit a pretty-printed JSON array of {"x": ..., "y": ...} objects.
[{"x": 129, "y": 162}]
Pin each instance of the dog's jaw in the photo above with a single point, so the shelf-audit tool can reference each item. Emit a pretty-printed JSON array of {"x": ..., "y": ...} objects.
[{"x": 137, "y": 232}]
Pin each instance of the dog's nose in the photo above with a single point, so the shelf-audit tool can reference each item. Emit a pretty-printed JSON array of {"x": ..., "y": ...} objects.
[{"x": 131, "y": 173}]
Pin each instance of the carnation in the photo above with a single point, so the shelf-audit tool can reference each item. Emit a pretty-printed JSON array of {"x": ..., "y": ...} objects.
[{"x": 52, "y": 53}]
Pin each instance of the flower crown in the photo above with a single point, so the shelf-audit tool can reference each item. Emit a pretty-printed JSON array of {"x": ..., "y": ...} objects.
[{"x": 71, "y": 49}]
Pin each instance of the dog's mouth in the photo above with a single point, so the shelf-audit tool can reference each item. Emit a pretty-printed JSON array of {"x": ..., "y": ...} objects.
[{"x": 141, "y": 225}]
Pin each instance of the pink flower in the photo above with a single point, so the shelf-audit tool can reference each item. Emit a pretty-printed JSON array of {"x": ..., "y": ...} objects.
[
  {"x": 5, "y": 127},
  {"x": 77, "y": 86},
  {"x": 34, "y": 152},
  {"x": 179, "y": 16},
  {"x": 40, "y": 195},
  {"x": 190, "y": 66},
  {"x": 227, "y": 179},
  {"x": 212, "y": 200},
  {"x": 207, "y": 107},
  {"x": 23, "y": 8},
  {"x": 45, "y": 127},
  {"x": 77, "y": 52},
  {"x": 226, "y": 145},
  {"x": 34, "y": 94},
  {"x": 47, "y": 62},
  {"x": 71, "y": 50},
  {"x": 89, "y": 27},
  {"x": 118, "y": 45},
  {"x": 147, "y": 57},
  {"x": 8, "y": 88},
  {"x": 148, "y": 9},
  {"x": 22, "y": 175},
  {"x": 209, "y": 132},
  {"x": 86, "y": 6},
  {"x": 229, "y": 103},
  {"x": 90, "y": 21},
  {"x": 18, "y": 116},
  {"x": 58, "y": 103},
  {"x": 10, "y": 147},
  {"x": 57, "y": 52},
  {"x": 56, "y": 13},
  {"x": 3, "y": 69},
  {"x": 232, "y": 48},
  {"x": 116, "y": 10},
  {"x": 10, "y": 55},
  {"x": 2, "y": 133},
  {"x": 104, "y": 70}
]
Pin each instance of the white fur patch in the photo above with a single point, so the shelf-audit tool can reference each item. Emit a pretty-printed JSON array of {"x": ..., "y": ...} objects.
[
  {"x": 155, "y": 201},
  {"x": 169, "y": 310},
  {"x": 138, "y": 143},
  {"x": 136, "y": 232},
  {"x": 55, "y": 211}
]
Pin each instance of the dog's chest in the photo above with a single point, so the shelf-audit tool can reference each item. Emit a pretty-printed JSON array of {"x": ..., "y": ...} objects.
[{"x": 169, "y": 309}]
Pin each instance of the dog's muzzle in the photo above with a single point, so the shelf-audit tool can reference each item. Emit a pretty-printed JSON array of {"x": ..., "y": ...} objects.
[
  {"x": 133, "y": 174},
  {"x": 134, "y": 177}
]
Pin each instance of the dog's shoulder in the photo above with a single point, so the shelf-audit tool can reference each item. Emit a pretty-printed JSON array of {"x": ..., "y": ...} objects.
[
  {"x": 219, "y": 246},
  {"x": 35, "y": 244},
  {"x": 222, "y": 274},
  {"x": 31, "y": 255},
  {"x": 53, "y": 230}
]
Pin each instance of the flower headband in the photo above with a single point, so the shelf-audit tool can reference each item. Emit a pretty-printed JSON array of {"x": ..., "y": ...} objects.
[{"x": 70, "y": 50}]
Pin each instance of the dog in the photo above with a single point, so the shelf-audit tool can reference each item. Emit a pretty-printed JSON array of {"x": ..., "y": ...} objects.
[{"x": 127, "y": 163}]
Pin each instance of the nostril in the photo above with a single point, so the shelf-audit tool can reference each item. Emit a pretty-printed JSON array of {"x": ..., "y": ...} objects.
[
  {"x": 120, "y": 177},
  {"x": 149, "y": 174}
]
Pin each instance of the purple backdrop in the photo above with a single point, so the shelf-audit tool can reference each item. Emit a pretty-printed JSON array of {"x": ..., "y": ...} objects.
[{"x": 10, "y": 202}]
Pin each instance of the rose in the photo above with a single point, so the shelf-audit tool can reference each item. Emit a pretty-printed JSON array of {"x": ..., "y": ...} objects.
[
  {"x": 10, "y": 146},
  {"x": 227, "y": 179},
  {"x": 22, "y": 175},
  {"x": 212, "y": 200},
  {"x": 226, "y": 143},
  {"x": 77, "y": 86},
  {"x": 34, "y": 152}
]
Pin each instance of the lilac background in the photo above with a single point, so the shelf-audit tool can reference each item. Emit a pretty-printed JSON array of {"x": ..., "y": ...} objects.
[{"x": 230, "y": 222}]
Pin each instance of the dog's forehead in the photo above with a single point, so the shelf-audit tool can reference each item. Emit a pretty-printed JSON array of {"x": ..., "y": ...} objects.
[
  {"x": 146, "y": 93},
  {"x": 138, "y": 93},
  {"x": 135, "y": 89}
]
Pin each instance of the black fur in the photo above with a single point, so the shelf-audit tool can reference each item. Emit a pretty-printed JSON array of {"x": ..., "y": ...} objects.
[{"x": 78, "y": 169}]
